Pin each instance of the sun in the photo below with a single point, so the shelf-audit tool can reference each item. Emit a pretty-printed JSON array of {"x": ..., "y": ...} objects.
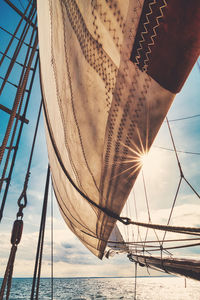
[{"x": 144, "y": 158}]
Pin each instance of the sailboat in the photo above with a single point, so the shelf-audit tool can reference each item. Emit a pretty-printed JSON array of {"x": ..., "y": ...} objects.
[{"x": 109, "y": 72}]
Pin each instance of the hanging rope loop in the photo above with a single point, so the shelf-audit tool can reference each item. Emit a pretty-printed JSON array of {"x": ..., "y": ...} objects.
[
  {"x": 16, "y": 232},
  {"x": 22, "y": 201}
]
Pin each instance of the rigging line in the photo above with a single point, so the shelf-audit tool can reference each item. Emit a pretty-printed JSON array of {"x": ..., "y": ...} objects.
[
  {"x": 19, "y": 94},
  {"x": 178, "y": 247},
  {"x": 178, "y": 151},
  {"x": 181, "y": 177},
  {"x": 173, "y": 143},
  {"x": 135, "y": 291},
  {"x": 52, "y": 239},
  {"x": 19, "y": 12},
  {"x": 38, "y": 259},
  {"x": 191, "y": 187},
  {"x": 177, "y": 229},
  {"x": 18, "y": 138},
  {"x": 126, "y": 228},
  {"x": 172, "y": 208},
  {"x": 18, "y": 48},
  {"x": 9, "y": 269},
  {"x": 180, "y": 181},
  {"x": 17, "y": 62},
  {"x": 147, "y": 203},
  {"x": 34, "y": 31},
  {"x": 23, "y": 83},
  {"x": 154, "y": 241},
  {"x": 146, "y": 199},
  {"x": 184, "y": 118},
  {"x": 9, "y": 111},
  {"x": 13, "y": 84},
  {"x": 136, "y": 251},
  {"x": 136, "y": 214},
  {"x": 123, "y": 243},
  {"x": 34, "y": 138},
  {"x": 131, "y": 216},
  {"x": 14, "y": 35}
]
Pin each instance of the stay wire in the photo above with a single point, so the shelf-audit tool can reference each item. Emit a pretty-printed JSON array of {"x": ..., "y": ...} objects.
[
  {"x": 52, "y": 239},
  {"x": 178, "y": 151},
  {"x": 135, "y": 290},
  {"x": 184, "y": 118},
  {"x": 38, "y": 259},
  {"x": 148, "y": 209},
  {"x": 14, "y": 34}
]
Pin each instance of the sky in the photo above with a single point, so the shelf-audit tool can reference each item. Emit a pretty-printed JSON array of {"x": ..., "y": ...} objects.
[{"x": 71, "y": 258}]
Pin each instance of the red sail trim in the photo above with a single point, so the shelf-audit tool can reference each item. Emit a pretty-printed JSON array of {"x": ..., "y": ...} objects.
[{"x": 168, "y": 41}]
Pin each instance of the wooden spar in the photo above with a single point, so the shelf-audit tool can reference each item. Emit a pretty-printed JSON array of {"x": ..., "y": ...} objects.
[{"x": 185, "y": 267}]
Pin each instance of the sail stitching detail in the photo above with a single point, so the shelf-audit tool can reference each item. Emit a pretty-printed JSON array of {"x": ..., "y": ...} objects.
[
  {"x": 91, "y": 49},
  {"x": 72, "y": 102},
  {"x": 147, "y": 32},
  {"x": 152, "y": 37},
  {"x": 58, "y": 98}
]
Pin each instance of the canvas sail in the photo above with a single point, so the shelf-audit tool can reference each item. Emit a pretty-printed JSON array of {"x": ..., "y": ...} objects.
[{"x": 107, "y": 73}]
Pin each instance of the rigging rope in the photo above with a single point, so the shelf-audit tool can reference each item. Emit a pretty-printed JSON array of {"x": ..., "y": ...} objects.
[
  {"x": 15, "y": 114},
  {"x": 15, "y": 239},
  {"x": 52, "y": 240},
  {"x": 14, "y": 34},
  {"x": 185, "y": 118},
  {"x": 38, "y": 260},
  {"x": 18, "y": 223},
  {"x": 178, "y": 151},
  {"x": 17, "y": 100},
  {"x": 135, "y": 290},
  {"x": 18, "y": 139}
]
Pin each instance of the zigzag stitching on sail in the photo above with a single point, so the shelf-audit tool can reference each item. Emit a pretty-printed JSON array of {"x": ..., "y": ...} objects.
[
  {"x": 155, "y": 33},
  {"x": 137, "y": 57},
  {"x": 108, "y": 24},
  {"x": 87, "y": 43}
]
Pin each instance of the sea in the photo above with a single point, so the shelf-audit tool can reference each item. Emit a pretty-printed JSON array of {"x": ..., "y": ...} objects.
[{"x": 147, "y": 288}]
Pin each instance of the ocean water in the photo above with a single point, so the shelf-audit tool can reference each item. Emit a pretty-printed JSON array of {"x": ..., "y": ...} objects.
[{"x": 148, "y": 288}]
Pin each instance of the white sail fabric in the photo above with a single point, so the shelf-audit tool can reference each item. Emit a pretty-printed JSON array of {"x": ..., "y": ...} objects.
[{"x": 102, "y": 110}]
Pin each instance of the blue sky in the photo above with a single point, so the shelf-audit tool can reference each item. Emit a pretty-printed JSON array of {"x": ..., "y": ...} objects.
[{"x": 70, "y": 256}]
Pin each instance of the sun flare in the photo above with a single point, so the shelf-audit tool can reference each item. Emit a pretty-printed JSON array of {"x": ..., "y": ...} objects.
[{"x": 144, "y": 159}]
